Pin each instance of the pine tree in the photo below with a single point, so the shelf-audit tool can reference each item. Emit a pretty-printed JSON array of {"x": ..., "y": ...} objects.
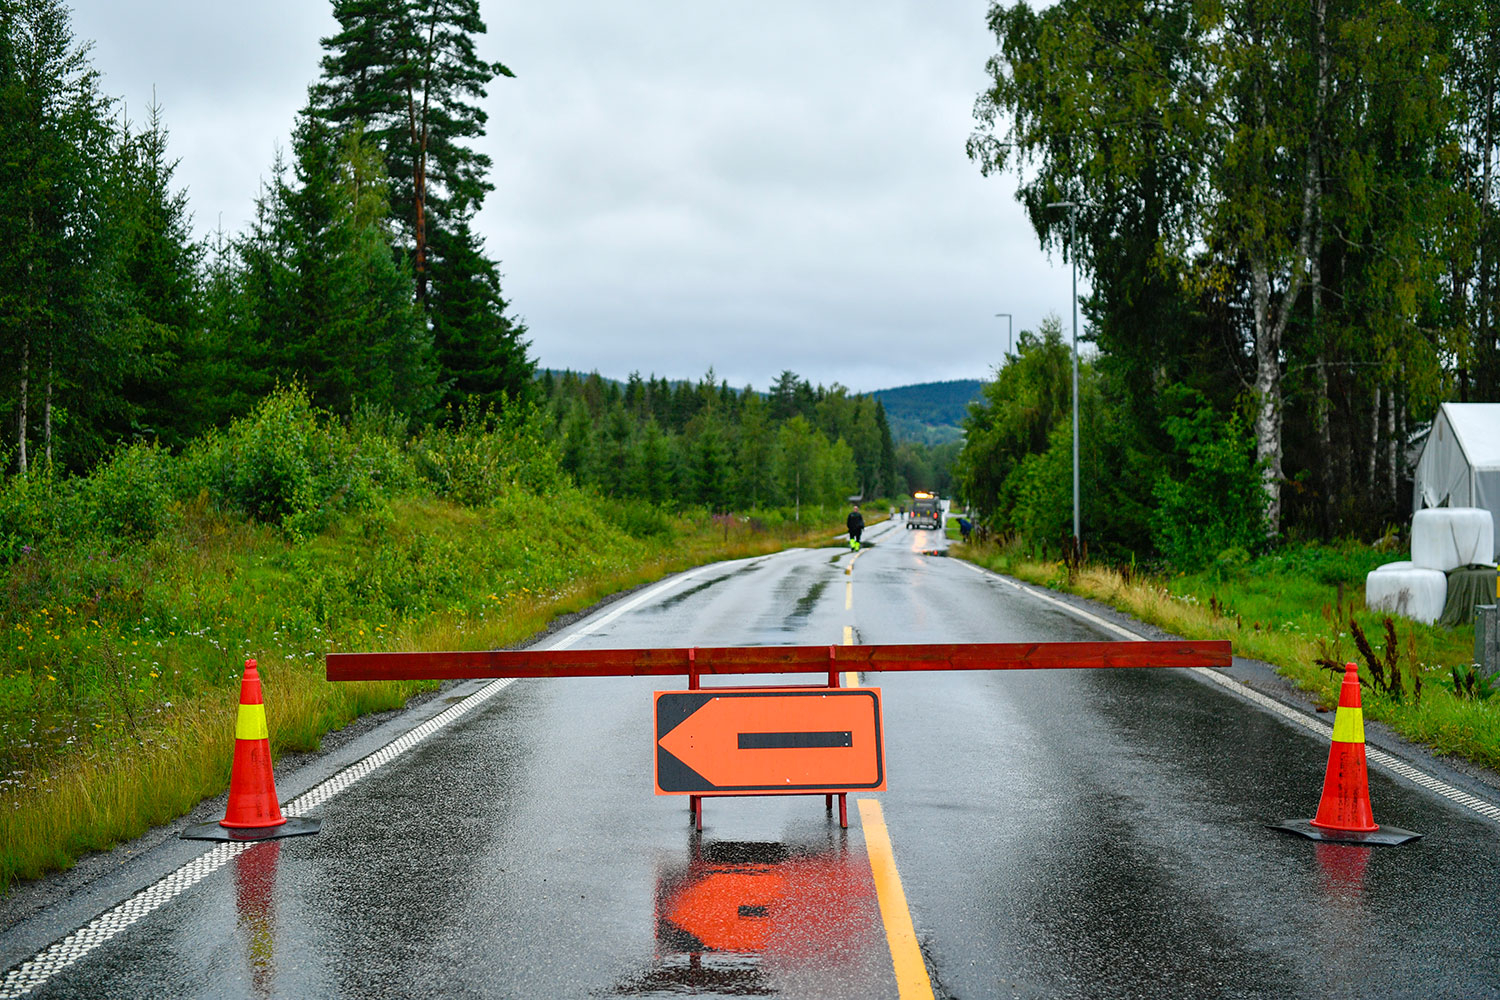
[
  {"x": 757, "y": 452},
  {"x": 325, "y": 300},
  {"x": 408, "y": 72},
  {"x": 159, "y": 264},
  {"x": 479, "y": 348}
]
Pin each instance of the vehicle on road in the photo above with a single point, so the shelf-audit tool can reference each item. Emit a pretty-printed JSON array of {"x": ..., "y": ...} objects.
[{"x": 926, "y": 511}]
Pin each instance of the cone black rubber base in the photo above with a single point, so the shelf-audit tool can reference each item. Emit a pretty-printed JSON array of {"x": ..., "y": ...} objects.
[
  {"x": 1386, "y": 835},
  {"x": 293, "y": 827}
]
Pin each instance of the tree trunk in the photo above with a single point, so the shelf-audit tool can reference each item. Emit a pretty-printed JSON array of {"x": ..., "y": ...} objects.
[
  {"x": 1322, "y": 404},
  {"x": 1267, "y": 394},
  {"x": 1394, "y": 446},
  {"x": 21, "y": 415},
  {"x": 47, "y": 409},
  {"x": 1269, "y": 331},
  {"x": 1374, "y": 445},
  {"x": 1485, "y": 313}
]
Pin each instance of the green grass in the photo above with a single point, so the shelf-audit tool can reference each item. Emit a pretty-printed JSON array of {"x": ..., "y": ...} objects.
[
  {"x": 1291, "y": 609},
  {"x": 117, "y": 697}
]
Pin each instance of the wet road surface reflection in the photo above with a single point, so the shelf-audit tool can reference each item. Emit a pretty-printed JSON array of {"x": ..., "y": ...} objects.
[
  {"x": 744, "y": 918},
  {"x": 255, "y": 911}
]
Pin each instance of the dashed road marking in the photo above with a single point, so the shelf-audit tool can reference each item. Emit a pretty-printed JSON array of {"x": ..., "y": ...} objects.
[
  {"x": 48, "y": 962},
  {"x": 41, "y": 967}
]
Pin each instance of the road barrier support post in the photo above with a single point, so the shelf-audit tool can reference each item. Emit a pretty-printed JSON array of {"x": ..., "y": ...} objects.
[{"x": 695, "y": 802}]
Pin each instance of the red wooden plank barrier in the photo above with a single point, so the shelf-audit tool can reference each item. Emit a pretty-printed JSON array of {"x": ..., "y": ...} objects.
[{"x": 704, "y": 661}]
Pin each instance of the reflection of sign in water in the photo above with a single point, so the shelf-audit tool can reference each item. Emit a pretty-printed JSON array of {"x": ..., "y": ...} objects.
[
  {"x": 766, "y": 919},
  {"x": 768, "y": 740},
  {"x": 753, "y": 897}
]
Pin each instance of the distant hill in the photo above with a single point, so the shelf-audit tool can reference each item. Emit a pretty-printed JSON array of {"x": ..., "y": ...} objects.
[{"x": 931, "y": 412}]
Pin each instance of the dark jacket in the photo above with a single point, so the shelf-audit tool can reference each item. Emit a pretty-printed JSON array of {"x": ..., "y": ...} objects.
[{"x": 855, "y": 523}]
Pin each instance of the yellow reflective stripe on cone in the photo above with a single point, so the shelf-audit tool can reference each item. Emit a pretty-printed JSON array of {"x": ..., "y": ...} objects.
[
  {"x": 251, "y": 723},
  {"x": 1349, "y": 725}
]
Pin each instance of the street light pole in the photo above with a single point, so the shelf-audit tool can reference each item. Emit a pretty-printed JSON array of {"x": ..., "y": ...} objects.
[
  {"x": 1008, "y": 329},
  {"x": 1072, "y": 207}
]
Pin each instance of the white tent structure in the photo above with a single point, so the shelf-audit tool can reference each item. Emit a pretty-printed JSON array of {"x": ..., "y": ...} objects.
[{"x": 1460, "y": 461}]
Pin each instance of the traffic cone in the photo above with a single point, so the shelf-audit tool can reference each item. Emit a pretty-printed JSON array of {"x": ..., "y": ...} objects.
[
  {"x": 253, "y": 812},
  {"x": 1344, "y": 814},
  {"x": 252, "y": 787}
]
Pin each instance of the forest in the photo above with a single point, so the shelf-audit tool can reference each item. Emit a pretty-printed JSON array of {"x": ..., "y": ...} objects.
[
  {"x": 1286, "y": 211},
  {"x": 360, "y": 276},
  {"x": 708, "y": 444}
]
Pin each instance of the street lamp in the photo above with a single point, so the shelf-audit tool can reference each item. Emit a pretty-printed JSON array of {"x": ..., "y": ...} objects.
[
  {"x": 1008, "y": 325},
  {"x": 1072, "y": 207}
]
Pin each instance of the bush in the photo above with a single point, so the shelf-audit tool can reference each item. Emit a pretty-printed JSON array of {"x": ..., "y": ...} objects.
[
  {"x": 36, "y": 509},
  {"x": 637, "y": 518},
  {"x": 130, "y": 496},
  {"x": 1218, "y": 506},
  {"x": 285, "y": 464},
  {"x": 481, "y": 454}
]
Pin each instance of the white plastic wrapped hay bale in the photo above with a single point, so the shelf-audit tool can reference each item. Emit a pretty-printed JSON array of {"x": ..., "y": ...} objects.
[
  {"x": 1417, "y": 593},
  {"x": 1449, "y": 537},
  {"x": 1401, "y": 564}
]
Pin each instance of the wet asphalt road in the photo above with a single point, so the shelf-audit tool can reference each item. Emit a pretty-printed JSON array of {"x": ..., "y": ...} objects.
[{"x": 1086, "y": 834}]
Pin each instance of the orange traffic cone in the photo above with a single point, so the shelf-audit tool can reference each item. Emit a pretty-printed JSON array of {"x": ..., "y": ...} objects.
[
  {"x": 253, "y": 812},
  {"x": 1344, "y": 813}
]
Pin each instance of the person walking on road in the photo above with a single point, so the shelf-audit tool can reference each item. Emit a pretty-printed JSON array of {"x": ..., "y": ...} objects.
[{"x": 856, "y": 526}]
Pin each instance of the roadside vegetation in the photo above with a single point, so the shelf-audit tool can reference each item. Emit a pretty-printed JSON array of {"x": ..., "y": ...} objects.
[
  {"x": 1301, "y": 609},
  {"x": 1281, "y": 296},
  {"x": 131, "y": 597}
]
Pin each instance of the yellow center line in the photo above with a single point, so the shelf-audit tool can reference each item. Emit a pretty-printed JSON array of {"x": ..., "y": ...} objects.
[
  {"x": 906, "y": 955},
  {"x": 848, "y": 595},
  {"x": 851, "y": 677}
]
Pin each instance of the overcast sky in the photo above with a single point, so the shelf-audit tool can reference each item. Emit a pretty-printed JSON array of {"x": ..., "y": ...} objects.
[{"x": 679, "y": 184}]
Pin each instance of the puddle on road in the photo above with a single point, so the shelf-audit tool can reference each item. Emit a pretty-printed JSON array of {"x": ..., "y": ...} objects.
[
  {"x": 683, "y": 595},
  {"x": 697, "y": 588},
  {"x": 764, "y": 919},
  {"x": 804, "y": 607}
]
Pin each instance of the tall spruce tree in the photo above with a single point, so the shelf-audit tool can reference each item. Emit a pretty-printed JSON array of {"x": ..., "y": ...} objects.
[
  {"x": 324, "y": 298},
  {"x": 408, "y": 71},
  {"x": 159, "y": 264},
  {"x": 480, "y": 349}
]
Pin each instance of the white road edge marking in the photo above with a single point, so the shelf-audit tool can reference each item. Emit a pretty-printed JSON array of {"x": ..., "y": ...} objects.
[
  {"x": 1376, "y": 756},
  {"x": 41, "y": 967}
]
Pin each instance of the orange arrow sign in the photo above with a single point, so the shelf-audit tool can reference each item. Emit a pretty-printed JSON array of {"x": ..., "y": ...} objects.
[{"x": 767, "y": 741}]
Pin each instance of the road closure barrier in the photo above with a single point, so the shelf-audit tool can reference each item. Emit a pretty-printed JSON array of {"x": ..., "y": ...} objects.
[
  {"x": 808, "y": 740},
  {"x": 729, "y": 660},
  {"x": 1344, "y": 814},
  {"x": 253, "y": 812}
]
